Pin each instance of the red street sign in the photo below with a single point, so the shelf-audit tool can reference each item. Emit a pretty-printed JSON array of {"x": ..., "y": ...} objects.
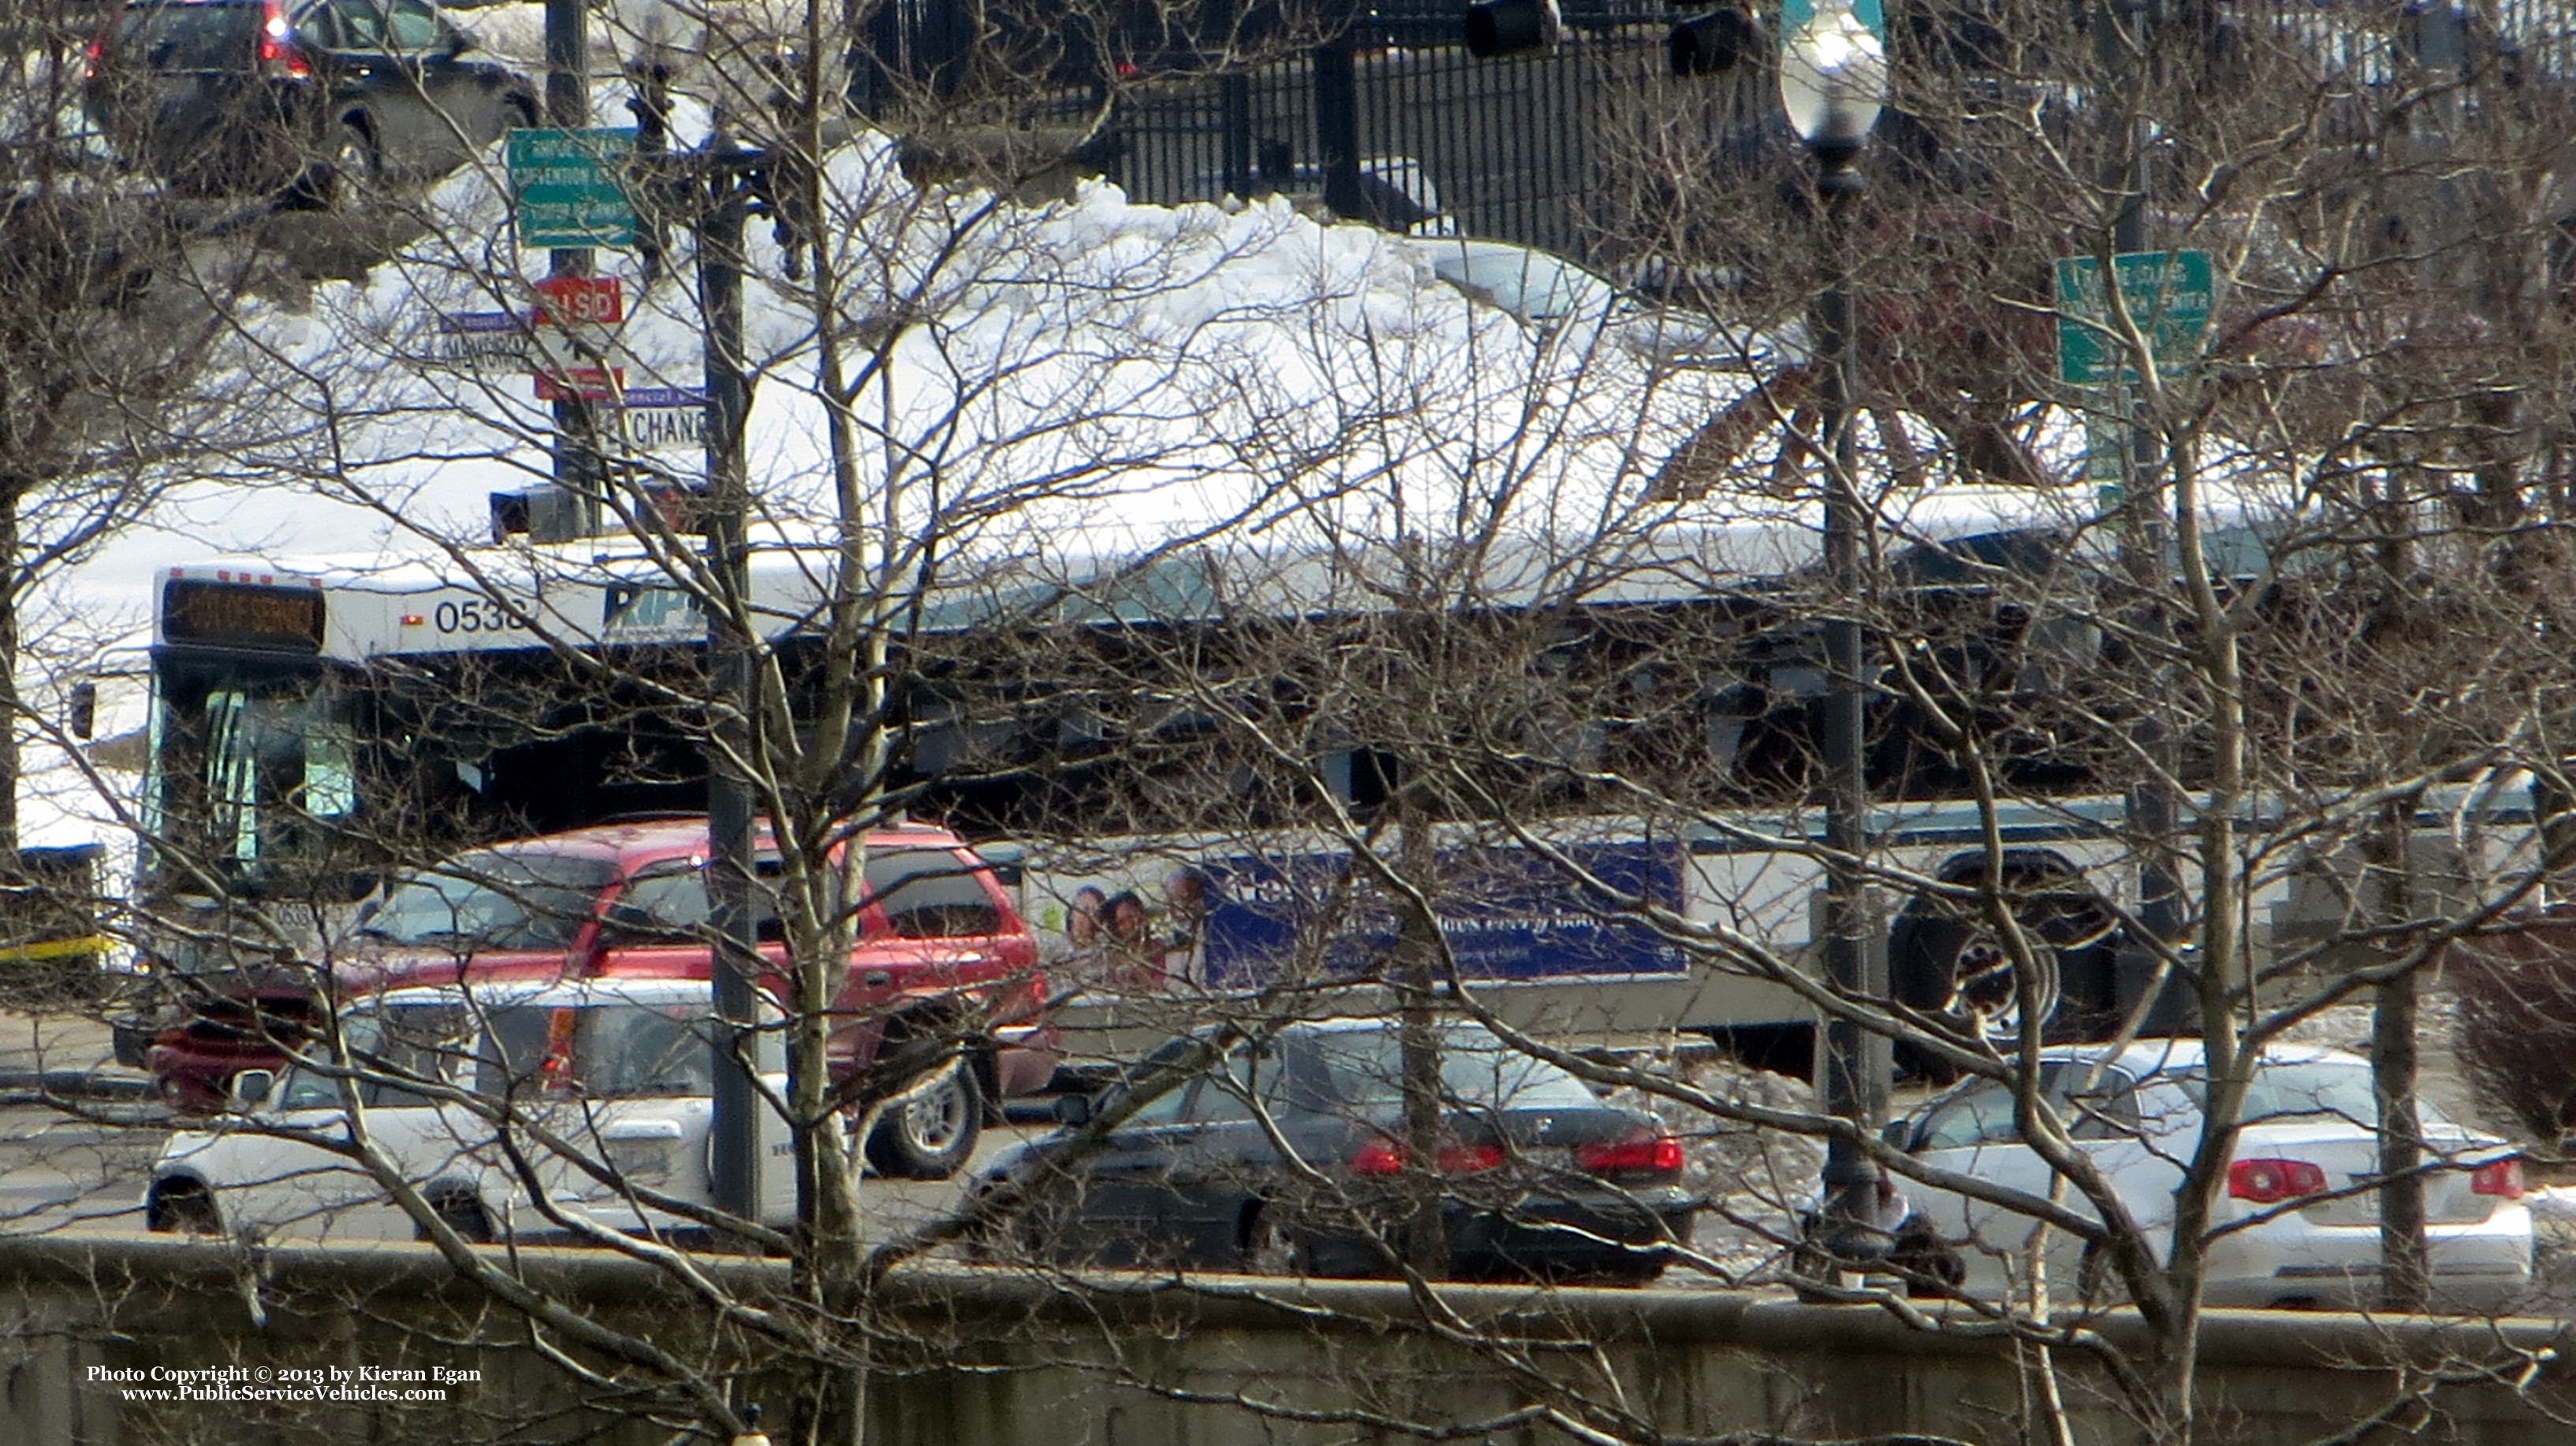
[
  {"x": 582, "y": 384},
  {"x": 580, "y": 300}
]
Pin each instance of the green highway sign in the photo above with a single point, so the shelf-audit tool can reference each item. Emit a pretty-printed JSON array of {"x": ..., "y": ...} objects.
[
  {"x": 2167, "y": 295},
  {"x": 567, "y": 188}
]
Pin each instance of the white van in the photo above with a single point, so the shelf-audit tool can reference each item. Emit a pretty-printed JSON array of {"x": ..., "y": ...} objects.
[{"x": 604, "y": 1086}]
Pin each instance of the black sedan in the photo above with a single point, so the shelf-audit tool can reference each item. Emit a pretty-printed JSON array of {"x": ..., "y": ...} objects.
[
  {"x": 245, "y": 96},
  {"x": 1286, "y": 1153}
]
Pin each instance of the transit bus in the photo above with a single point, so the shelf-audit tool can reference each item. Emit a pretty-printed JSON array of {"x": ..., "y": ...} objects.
[{"x": 308, "y": 715}]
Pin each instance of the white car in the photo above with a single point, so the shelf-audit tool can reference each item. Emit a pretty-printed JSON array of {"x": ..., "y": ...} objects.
[
  {"x": 617, "y": 1072},
  {"x": 2309, "y": 1135},
  {"x": 1557, "y": 297}
]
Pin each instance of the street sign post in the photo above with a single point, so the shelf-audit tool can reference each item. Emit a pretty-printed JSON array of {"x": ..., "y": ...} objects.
[
  {"x": 2167, "y": 295},
  {"x": 568, "y": 189}
]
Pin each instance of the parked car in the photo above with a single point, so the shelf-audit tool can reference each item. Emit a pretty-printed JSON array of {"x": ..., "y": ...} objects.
[
  {"x": 2300, "y": 1222},
  {"x": 940, "y": 950},
  {"x": 1557, "y": 297},
  {"x": 620, "y": 1069},
  {"x": 1396, "y": 193},
  {"x": 246, "y": 96},
  {"x": 1287, "y": 1156}
]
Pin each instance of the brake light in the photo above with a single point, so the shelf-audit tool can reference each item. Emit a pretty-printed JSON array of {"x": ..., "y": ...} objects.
[
  {"x": 89, "y": 57},
  {"x": 2500, "y": 1178},
  {"x": 1386, "y": 1157},
  {"x": 2269, "y": 1182},
  {"x": 279, "y": 57},
  {"x": 1656, "y": 1154}
]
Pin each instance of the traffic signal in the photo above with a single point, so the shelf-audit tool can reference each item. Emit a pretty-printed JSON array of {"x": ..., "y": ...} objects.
[
  {"x": 1509, "y": 27},
  {"x": 1715, "y": 43}
]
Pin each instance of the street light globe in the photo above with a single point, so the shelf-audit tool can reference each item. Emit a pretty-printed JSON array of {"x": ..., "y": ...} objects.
[{"x": 1833, "y": 77}]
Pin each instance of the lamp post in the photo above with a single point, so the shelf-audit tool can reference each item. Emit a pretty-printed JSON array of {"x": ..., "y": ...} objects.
[{"x": 1833, "y": 78}]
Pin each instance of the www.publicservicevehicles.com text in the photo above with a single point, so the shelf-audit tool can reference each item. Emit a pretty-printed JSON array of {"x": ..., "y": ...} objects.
[{"x": 282, "y": 1383}]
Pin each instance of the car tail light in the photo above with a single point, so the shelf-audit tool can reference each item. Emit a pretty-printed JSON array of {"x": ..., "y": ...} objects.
[
  {"x": 279, "y": 58},
  {"x": 89, "y": 56},
  {"x": 1386, "y": 1157},
  {"x": 2500, "y": 1178},
  {"x": 2269, "y": 1182},
  {"x": 1641, "y": 1154}
]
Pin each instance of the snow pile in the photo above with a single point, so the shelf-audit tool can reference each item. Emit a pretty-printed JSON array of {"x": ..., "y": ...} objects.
[{"x": 1755, "y": 1181}]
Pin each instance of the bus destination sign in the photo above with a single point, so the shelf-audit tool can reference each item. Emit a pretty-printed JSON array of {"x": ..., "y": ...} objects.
[{"x": 242, "y": 615}]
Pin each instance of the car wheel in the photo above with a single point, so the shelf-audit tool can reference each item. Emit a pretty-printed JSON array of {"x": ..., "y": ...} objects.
[
  {"x": 1811, "y": 1271},
  {"x": 182, "y": 1207},
  {"x": 463, "y": 1214},
  {"x": 2097, "y": 1283},
  {"x": 1269, "y": 1247},
  {"x": 928, "y": 1132},
  {"x": 357, "y": 166},
  {"x": 1931, "y": 1268}
]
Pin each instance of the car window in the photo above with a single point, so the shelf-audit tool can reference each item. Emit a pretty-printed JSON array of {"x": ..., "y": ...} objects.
[
  {"x": 360, "y": 24},
  {"x": 1227, "y": 1094},
  {"x": 492, "y": 899},
  {"x": 413, "y": 25},
  {"x": 1365, "y": 1072},
  {"x": 623, "y": 1051},
  {"x": 1532, "y": 284},
  {"x": 391, "y": 25},
  {"x": 931, "y": 894},
  {"x": 606, "y": 1050},
  {"x": 430, "y": 1042},
  {"x": 2308, "y": 1089},
  {"x": 669, "y": 904},
  {"x": 190, "y": 37},
  {"x": 2103, "y": 1105}
]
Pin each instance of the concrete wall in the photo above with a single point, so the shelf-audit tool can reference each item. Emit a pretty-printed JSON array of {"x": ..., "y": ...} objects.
[{"x": 959, "y": 1356}]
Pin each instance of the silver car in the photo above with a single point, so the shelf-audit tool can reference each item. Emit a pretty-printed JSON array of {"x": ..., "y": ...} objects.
[{"x": 2297, "y": 1220}]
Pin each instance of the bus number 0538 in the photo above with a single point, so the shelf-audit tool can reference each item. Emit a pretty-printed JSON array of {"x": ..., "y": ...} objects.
[{"x": 477, "y": 617}]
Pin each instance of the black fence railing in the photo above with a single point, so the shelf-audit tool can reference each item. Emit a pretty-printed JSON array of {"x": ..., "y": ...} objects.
[{"x": 1391, "y": 120}]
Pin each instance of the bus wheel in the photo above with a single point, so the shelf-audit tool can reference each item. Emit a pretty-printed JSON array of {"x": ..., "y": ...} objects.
[{"x": 928, "y": 1131}]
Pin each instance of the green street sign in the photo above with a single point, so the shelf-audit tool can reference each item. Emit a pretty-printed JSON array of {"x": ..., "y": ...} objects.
[
  {"x": 1794, "y": 15},
  {"x": 2167, "y": 294},
  {"x": 568, "y": 188}
]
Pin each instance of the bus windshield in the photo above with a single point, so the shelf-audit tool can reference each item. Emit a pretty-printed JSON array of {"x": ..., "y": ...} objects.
[{"x": 253, "y": 767}]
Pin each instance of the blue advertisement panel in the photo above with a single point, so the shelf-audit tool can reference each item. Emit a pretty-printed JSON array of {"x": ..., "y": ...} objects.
[{"x": 1506, "y": 914}]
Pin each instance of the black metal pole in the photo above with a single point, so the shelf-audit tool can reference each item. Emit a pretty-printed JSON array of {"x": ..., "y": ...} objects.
[
  {"x": 735, "y": 1166},
  {"x": 1855, "y": 1061},
  {"x": 575, "y": 508}
]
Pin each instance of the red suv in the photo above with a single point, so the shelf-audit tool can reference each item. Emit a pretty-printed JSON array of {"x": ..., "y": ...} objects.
[{"x": 941, "y": 953}]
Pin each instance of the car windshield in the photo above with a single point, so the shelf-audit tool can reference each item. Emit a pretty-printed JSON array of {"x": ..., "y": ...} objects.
[
  {"x": 415, "y": 1041},
  {"x": 607, "y": 1050},
  {"x": 493, "y": 900},
  {"x": 196, "y": 36},
  {"x": 1531, "y": 284}
]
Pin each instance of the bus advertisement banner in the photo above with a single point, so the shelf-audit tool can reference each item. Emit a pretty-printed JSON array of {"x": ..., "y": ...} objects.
[{"x": 1506, "y": 914}]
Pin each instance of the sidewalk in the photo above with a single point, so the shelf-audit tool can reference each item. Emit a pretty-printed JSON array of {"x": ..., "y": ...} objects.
[{"x": 68, "y": 1054}]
